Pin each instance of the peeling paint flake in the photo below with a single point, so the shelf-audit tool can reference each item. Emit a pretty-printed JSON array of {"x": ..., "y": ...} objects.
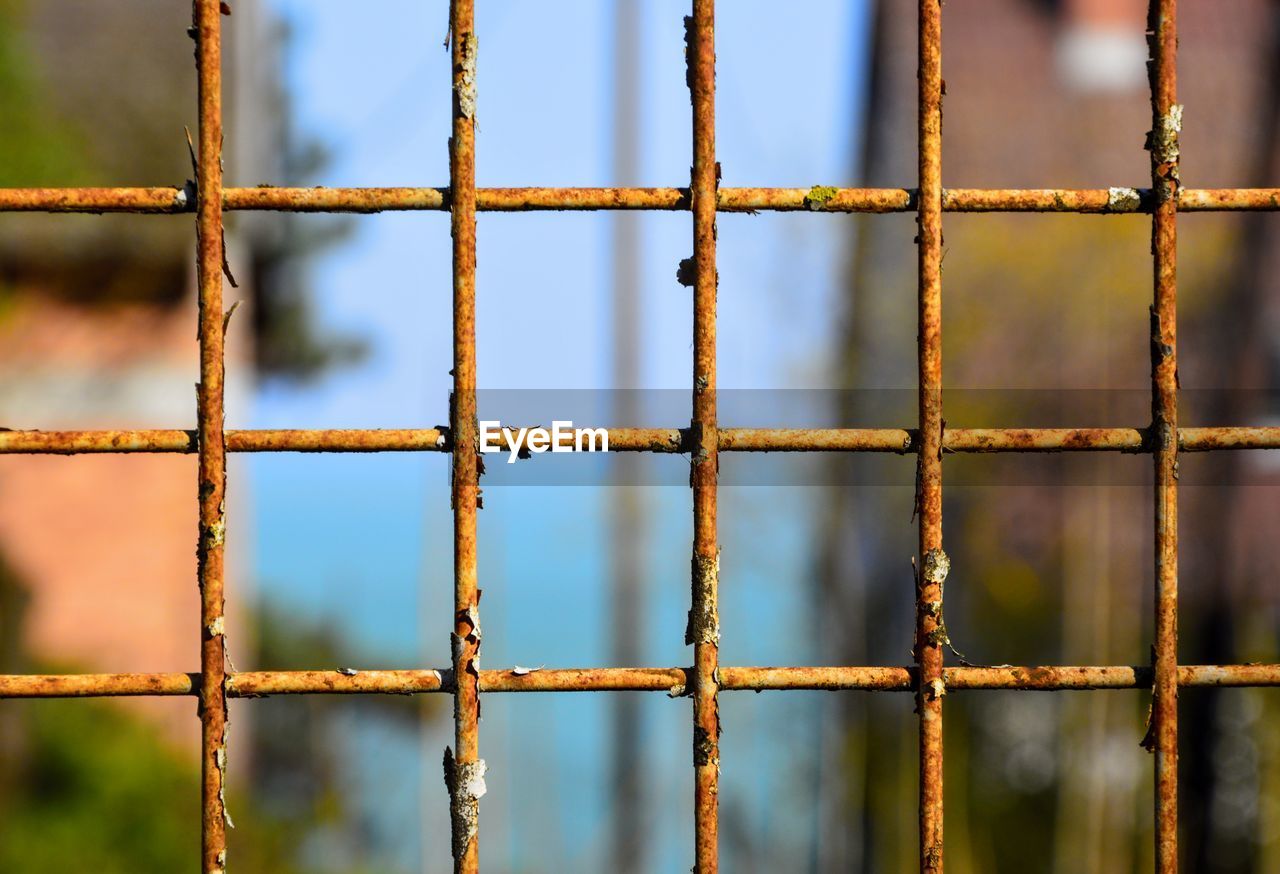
[
  {"x": 467, "y": 80},
  {"x": 1164, "y": 140},
  {"x": 220, "y": 759},
  {"x": 471, "y": 616},
  {"x": 704, "y": 624},
  {"x": 216, "y": 534},
  {"x": 936, "y": 567},
  {"x": 465, "y": 782},
  {"x": 1123, "y": 200}
]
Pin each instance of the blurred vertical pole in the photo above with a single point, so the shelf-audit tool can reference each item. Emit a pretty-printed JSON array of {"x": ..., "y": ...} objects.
[
  {"x": 1244, "y": 344},
  {"x": 627, "y": 518},
  {"x": 841, "y": 597},
  {"x": 1085, "y": 793},
  {"x": 626, "y": 514}
]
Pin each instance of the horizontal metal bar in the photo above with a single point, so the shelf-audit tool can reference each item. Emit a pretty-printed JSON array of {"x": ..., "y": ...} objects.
[
  {"x": 1038, "y": 678},
  {"x": 97, "y": 685},
  {"x": 1207, "y": 439},
  {"x": 817, "y": 440},
  {"x": 253, "y": 684},
  {"x": 664, "y": 440},
  {"x": 174, "y": 441},
  {"x": 818, "y": 678},
  {"x": 816, "y": 199},
  {"x": 904, "y": 441}
]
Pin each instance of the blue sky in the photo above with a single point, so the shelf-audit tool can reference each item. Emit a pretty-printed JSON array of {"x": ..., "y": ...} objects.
[{"x": 364, "y": 541}]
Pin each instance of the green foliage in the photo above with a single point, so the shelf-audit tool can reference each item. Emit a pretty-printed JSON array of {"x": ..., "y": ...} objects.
[
  {"x": 111, "y": 108},
  {"x": 304, "y": 750},
  {"x": 36, "y": 147},
  {"x": 90, "y": 786}
]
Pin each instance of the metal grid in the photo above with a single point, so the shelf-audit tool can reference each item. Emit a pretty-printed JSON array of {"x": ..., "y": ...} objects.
[{"x": 928, "y": 678}]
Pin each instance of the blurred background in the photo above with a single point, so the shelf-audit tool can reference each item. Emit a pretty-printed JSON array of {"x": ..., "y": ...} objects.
[{"x": 345, "y": 561}]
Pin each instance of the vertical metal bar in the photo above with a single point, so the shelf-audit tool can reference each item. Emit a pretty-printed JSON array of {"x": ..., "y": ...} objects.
[
  {"x": 627, "y": 757},
  {"x": 704, "y": 615},
  {"x": 1166, "y": 121},
  {"x": 930, "y": 633},
  {"x": 464, "y": 769},
  {"x": 212, "y": 475}
]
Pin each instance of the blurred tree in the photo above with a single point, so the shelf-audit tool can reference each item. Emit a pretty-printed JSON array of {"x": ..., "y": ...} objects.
[
  {"x": 35, "y": 144},
  {"x": 290, "y": 345},
  {"x": 1046, "y": 324},
  {"x": 90, "y": 783},
  {"x": 81, "y": 106},
  {"x": 301, "y": 750}
]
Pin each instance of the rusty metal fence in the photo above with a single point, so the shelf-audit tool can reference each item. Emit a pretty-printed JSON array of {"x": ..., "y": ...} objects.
[{"x": 928, "y": 679}]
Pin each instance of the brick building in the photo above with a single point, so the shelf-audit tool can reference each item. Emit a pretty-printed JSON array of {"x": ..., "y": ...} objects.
[
  {"x": 97, "y": 328},
  {"x": 1045, "y": 323}
]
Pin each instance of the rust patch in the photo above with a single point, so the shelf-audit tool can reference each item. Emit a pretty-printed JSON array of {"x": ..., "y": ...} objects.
[
  {"x": 274, "y": 198},
  {"x": 704, "y": 747}
]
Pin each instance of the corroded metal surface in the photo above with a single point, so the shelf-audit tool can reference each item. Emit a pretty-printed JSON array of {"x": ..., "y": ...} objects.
[
  {"x": 870, "y": 200},
  {"x": 661, "y": 440},
  {"x": 466, "y": 635},
  {"x": 97, "y": 685},
  {"x": 212, "y": 467},
  {"x": 1162, "y": 142},
  {"x": 703, "y": 630},
  {"x": 674, "y": 682},
  {"x": 932, "y": 570},
  {"x": 927, "y": 679}
]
